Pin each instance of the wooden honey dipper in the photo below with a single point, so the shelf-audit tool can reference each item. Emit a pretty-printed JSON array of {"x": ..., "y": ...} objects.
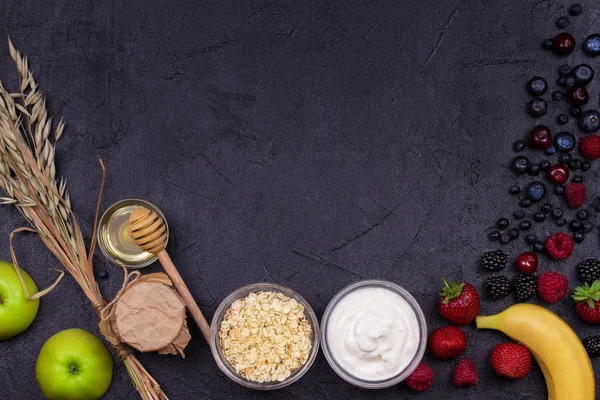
[{"x": 149, "y": 231}]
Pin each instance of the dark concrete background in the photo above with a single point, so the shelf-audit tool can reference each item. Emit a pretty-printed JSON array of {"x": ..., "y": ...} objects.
[{"x": 308, "y": 143}]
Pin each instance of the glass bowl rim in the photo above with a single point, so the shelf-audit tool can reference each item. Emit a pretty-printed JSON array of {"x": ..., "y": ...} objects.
[
  {"x": 241, "y": 292},
  {"x": 421, "y": 320}
]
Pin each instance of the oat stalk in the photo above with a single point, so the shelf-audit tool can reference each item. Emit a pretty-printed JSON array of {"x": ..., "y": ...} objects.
[{"x": 28, "y": 179}]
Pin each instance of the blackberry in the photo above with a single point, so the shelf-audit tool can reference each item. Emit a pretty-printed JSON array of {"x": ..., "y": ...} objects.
[
  {"x": 592, "y": 345},
  {"x": 589, "y": 270},
  {"x": 497, "y": 287},
  {"x": 525, "y": 287},
  {"x": 494, "y": 261}
]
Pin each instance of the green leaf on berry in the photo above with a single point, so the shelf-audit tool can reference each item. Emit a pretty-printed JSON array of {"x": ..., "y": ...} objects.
[
  {"x": 451, "y": 291},
  {"x": 588, "y": 293}
]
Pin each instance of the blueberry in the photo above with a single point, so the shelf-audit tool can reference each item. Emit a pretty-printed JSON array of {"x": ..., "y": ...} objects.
[
  {"x": 518, "y": 214},
  {"x": 575, "y": 9},
  {"x": 548, "y": 44},
  {"x": 587, "y": 227},
  {"x": 537, "y": 107},
  {"x": 494, "y": 236},
  {"x": 502, "y": 223},
  {"x": 591, "y": 45},
  {"x": 586, "y": 165},
  {"x": 575, "y": 225},
  {"x": 578, "y": 237},
  {"x": 545, "y": 165},
  {"x": 513, "y": 233},
  {"x": 519, "y": 145},
  {"x": 550, "y": 150},
  {"x": 564, "y": 70},
  {"x": 562, "y": 119},
  {"x": 535, "y": 191},
  {"x": 525, "y": 225},
  {"x": 564, "y": 158},
  {"x": 575, "y": 111},
  {"x": 589, "y": 121},
  {"x": 531, "y": 238},
  {"x": 564, "y": 142},
  {"x": 582, "y": 215},
  {"x": 102, "y": 274},
  {"x": 561, "y": 81},
  {"x": 525, "y": 203},
  {"x": 577, "y": 179},
  {"x": 559, "y": 190},
  {"x": 574, "y": 164},
  {"x": 570, "y": 81},
  {"x": 538, "y": 248},
  {"x": 539, "y": 217},
  {"x": 504, "y": 238},
  {"x": 561, "y": 222},
  {"x": 557, "y": 213},
  {"x": 537, "y": 86},
  {"x": 534, "y": 169},
  {"x": 546, "y": 208},
  {"x": 514, "y": 189},
  {"x": 583, "y": 74},
  {"x": 562, "y": 22},
  {"x": 520, "y": 165}
]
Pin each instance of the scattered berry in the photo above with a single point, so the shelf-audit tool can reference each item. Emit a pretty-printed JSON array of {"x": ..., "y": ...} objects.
[
  {"x": 557, "y": 95},
  {"x": 561, "y": 222},
  {"x": 535, "y": 191},
  {"x": 564, "y": 43},
  {"x": 575, "y": 225},
  {"x": 587, "y": 227},
  {"x": 540, "y": 137},
  {"x": 525, "y": 203},
  {"x": 562, "y": 22},
  {"x": 534, "y": 170},
  {"x": 497, "y": 287},
  {"x": 557, "y": 213},
  {"x": 537, "y": 86},
  {"x": 564, "y": 70},
  {"x": 494, "y": 261},
  {"x": 575, "y": 193},
  {"x": 494, "y": 236},
  {"x": 527, "y": 262},
  {"x": 564, "y": 158},
  {"x": 519, "y": 145},
  {"x": 562, "y": 119},
  {"x": 545, "y": 165},
  {"x": 520, "y": 165},
  {"x": 513, "y": 233},
  {"x": 589, "y": 121},
  {"x": 459, "y": 302},
  {"x": 550, "y": 150},
  {"x": 574, "y": 164},
  {"x": 421, "y": 379},
  {"x": 552, "y": 286},
  {"x": 577, "y": 179},
  {"x": 591, "y": 45},
  {"x": 590, "y": 147},
  {"x": 525, "y": 287},
  {"x": 575, "y": 10},
  {"x": 575, "y": 111},
  {"x": 586, "y": 165},
  {"x": 538, "y": 247},
  {"x": 559, "y": 190},
  {"x": 578, "y": 95},
  {"x": 564, "y": 142},
  {"x": 537, "y": 107},
  {"x": 447, "y": 342},
  {"x": 587, "y": 298},
  {"x": 102, "y": 274},
  {"x": 559, "y": 246},
  {"x": 514, "y": 189},
  {"x": 511, "y": 360},
  {"x": 582, "y": 215},
  {"x": 592, "y": 345},
  {"x": 558, "y": 174},
  {"x": 502, "y": 223},
  {"x": 589, "y": 270},
  {"x": 518, "y": 215},
  {"x": 539, "y": 217},
  {"x": 579, "y": 237},
  {"x": 548, "y": 44},
  {"x": 465, "y": 374},
  {"x": 525, "y": 225},
  {"x": 583, "y": 74},
  {"x": 505, "y": 238},
  {"x": 531, "y": 238}
]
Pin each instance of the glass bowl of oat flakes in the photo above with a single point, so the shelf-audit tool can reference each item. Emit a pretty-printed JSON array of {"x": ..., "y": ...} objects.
[{"x": 264, "y": 336}]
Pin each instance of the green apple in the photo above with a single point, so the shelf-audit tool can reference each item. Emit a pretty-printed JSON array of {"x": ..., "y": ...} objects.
[
  {"x": 16, "y": 312},
  {"x": 74, "y": 365}
]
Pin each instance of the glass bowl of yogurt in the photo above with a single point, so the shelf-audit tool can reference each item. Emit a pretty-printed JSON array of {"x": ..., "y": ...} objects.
[{"x": 373, "y": 334}]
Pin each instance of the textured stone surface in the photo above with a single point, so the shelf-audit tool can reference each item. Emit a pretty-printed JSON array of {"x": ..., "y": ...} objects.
[{"x": 308, "y": 143}]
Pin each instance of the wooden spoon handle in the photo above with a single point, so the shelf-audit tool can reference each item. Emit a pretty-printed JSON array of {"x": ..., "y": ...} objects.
[{"x": 184, "y": 292}]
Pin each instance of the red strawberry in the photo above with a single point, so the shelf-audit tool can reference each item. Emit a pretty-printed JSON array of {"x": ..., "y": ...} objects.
[
  {"x": 511, "y": 360},
  {"x": 447, "y": 342},
  {"x": 459, "y": 302},
  {"x": 552, "y": 286},
  {"x": 560, "y": 246},
  {"x": 590, "y": 147},
  {"x": 527, "y": 263},
  {"x": 575, "y": 193},
  {"x": 465, "y": 374},
  {"x": 588, "y": 302},
  {"x": 421, "y": 378}
]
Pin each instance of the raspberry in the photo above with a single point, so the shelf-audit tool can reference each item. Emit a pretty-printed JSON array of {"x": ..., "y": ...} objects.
[
  {"x": 575, "y": 193},
  {"x": 590, "y": 147},
  {"x": 552, "y": 286},
  {"x": 465, "y": 374},
  {"x": 421, "y": 378},
  {"x": 560, "y": 246}
]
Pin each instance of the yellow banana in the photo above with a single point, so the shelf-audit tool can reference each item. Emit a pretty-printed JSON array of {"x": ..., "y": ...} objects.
[{"x": 557, "y": 349}]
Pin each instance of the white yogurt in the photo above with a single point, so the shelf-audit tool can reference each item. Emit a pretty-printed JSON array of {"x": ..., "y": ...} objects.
[{"x": 373, "y": 333}]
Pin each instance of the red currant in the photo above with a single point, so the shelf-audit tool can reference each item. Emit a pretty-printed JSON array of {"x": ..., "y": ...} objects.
[{"x": 527, "y": 263}]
